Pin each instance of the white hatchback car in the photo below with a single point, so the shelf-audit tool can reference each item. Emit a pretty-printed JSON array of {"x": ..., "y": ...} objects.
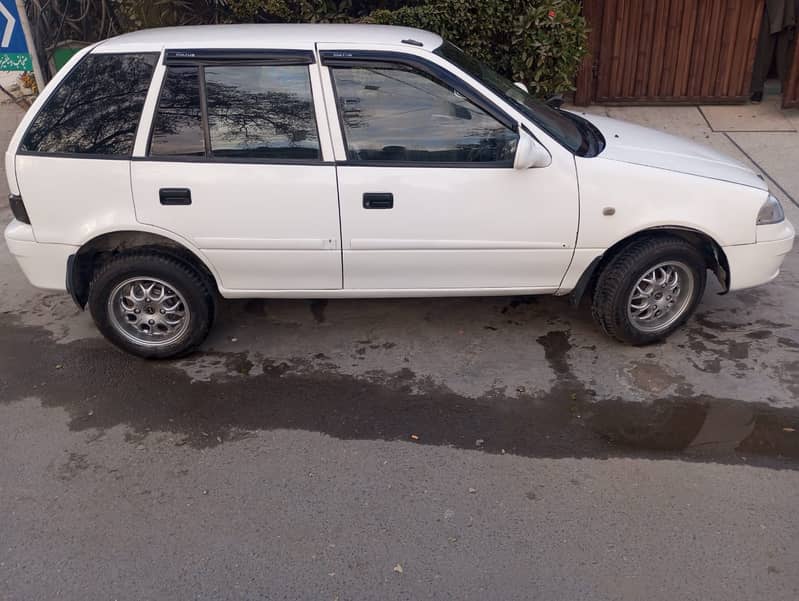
[{"x": 163, "y": 168}]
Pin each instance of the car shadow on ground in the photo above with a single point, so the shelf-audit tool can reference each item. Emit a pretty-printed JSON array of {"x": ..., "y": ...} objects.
[{"x": 101, "y": 388}]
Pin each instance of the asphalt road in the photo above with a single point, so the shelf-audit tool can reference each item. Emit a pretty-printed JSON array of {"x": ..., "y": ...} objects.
[{"x": 415, "y": 449}]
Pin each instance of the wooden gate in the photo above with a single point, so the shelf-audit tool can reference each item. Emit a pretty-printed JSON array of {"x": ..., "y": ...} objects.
[
  {"x": 669, "y": 51},
  {"x": 790, "y": 87}
]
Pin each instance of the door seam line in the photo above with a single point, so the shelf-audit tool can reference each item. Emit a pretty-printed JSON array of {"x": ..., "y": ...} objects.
[
  {"x": 333, "y": 150},
  {"x": 340, "y": 229}
]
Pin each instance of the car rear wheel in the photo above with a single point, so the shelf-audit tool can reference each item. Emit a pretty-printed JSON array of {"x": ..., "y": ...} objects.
[
  {"x": 151, "y": 305},
  {"x": 649, "y": 289}
]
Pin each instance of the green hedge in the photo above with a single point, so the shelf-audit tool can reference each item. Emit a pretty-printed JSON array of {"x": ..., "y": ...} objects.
[
  {"x": 315, "y": 11},
  {"x": 538, "y": 42}
]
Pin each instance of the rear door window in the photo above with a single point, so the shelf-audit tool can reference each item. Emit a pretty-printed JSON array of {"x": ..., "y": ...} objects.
[
  {"x": 96, "y": 108},
  {"x": 261, "y": 112},
  {"x": 230, "y": 111}
]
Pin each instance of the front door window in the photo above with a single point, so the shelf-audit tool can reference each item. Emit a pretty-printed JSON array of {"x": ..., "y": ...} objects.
[{"x": 394, "y": 113}]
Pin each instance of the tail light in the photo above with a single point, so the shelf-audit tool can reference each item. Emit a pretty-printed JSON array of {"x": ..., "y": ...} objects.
[{"x": 18, "y": 208}]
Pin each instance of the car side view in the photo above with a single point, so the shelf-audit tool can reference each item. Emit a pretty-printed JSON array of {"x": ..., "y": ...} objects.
[{"x": 163, "y": 169}]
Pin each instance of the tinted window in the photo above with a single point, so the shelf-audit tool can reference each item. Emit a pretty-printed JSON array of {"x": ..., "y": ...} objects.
[
  {"x": 96, "y": 109},
  {"x": 261, "y": 112},
  {"x": 178, "y": 126},
  {"x": 393, "y": 113}
]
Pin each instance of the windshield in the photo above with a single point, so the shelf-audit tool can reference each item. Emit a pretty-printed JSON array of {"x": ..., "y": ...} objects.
[{"x": 570, "y": 130}]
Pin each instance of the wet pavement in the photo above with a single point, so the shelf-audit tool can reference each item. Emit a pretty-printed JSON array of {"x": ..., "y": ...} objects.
[
  {"x": 221, "y": 396},
  {"x": 388, "y": 449}
]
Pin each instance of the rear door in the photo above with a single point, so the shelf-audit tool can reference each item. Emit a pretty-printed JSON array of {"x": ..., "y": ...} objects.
[
  {"x": 239, "y": 162},
  {"x": 429, "y": 196}
]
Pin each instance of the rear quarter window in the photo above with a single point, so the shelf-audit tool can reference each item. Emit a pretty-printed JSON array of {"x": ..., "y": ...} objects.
[{"x": 96, "y": 108}]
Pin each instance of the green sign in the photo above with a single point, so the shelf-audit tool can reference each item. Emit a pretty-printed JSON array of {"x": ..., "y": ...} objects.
[{"x": 17, "y": 61}]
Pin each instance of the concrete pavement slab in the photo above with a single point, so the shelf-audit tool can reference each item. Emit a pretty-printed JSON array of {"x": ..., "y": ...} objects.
[
  {"x": 766, "y": 116},
  {"x": 792, "y": 115}
]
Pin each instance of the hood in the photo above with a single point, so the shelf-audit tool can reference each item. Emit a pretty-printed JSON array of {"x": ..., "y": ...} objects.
[{"x": 630, "y": 143}]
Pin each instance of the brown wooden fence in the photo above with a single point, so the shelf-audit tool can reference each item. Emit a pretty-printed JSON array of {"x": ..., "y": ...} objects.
[
  {"x": 790, "y": 92},
  {"x": 669, "y": 51}
]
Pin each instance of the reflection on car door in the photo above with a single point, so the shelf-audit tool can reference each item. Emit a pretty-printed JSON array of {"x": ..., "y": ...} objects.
[
  {"x": 429, "y": 197},
  {"x": 235, "y": 165}
]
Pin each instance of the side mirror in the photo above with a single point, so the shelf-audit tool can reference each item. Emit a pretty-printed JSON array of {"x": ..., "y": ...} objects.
[
  {"x": 529, "y": 153},
  {"x": 521, "y": 86},
  {"x": 555, "y": 102}
]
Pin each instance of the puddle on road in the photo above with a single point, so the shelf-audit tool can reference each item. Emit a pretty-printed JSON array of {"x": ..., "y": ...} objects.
[{"x": 101, "y": 388}]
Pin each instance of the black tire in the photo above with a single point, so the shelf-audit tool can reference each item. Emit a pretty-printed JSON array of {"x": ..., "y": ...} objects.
[
  {"x": 617, "y": 280},
  {"x": 198, "y": 303}
]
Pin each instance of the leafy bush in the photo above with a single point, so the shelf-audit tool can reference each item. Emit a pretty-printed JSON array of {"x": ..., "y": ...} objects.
[
  {"x": 141, "y": 14},
  {"x": 315, "y": 11},
  {"x": 538, "y": 42},
  {"x": 289, "y": 11}
]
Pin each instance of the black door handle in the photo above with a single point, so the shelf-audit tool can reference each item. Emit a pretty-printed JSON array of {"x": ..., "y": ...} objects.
[
  {"x": 175, "y": 196},
  {"x": 378, "y": 200}
]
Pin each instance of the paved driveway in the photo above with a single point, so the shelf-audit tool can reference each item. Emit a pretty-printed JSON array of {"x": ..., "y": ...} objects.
[{"x": 407, "y": 449}]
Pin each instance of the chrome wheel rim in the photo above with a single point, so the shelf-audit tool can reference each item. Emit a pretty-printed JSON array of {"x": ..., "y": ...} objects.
[
  {"x": 148, "y": 311},
  {"x": 661, "y": 296}
]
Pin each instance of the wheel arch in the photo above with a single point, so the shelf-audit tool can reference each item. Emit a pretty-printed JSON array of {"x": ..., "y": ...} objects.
[
  {"x": 710, "y": 248},
  {"x": 92, "y": 253}
]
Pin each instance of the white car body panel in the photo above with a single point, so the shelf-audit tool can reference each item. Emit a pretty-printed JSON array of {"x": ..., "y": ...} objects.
[
  {"x": 296, "y": 36},
  {"x": 757, "y": 264},
  {"x": 637, "y": 145},
  {"x": 262, "y": 226},
  {"x": 81, "y": 196},
  {"x": 470, "y": 228},
  {"x": 276, "y": 230},
  {"x": 43, "y": 264},
  {"x": 648, "y": 199}
]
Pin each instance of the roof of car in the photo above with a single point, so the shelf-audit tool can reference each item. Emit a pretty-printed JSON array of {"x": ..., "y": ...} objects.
[{"x": 265, "y": 35}]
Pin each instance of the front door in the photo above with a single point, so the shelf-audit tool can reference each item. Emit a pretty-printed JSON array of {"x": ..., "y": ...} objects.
[
  {"x": 429, "y": 196},
  {"x": 235, "y": 166}
]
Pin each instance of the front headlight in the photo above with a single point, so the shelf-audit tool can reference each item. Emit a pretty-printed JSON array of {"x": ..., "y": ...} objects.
[{"x": 770, "y": 212}]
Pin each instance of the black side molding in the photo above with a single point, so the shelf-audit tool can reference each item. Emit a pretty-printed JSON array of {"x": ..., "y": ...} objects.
[{"x": 228, "y": 56}]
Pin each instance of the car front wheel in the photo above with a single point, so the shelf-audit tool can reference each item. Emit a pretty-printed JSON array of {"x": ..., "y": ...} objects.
[
  {"x": 151, "y": 305},
  {"x": 649, "y": 289}
]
